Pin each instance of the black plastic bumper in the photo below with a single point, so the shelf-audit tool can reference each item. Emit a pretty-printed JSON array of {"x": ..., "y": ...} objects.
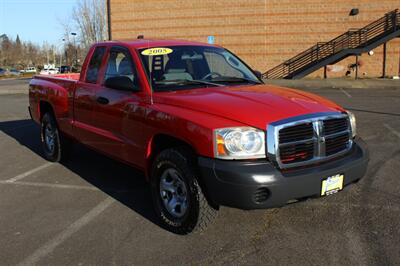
[{"x": 258, "y": 184}]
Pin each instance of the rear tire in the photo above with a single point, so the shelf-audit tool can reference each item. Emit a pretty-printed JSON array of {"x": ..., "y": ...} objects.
[
  {"x": 56, "y": 147},
  {"x": 177, "y": 196}
]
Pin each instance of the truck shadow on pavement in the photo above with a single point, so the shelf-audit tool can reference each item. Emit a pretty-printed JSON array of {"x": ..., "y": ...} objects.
[{"x": 121, "y": 182}]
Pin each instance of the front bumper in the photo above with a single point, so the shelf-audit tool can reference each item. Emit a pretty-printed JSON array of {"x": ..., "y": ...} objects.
[{"x": 259, "y": 184}]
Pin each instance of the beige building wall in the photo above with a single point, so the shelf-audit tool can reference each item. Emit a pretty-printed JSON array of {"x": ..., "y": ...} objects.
[{"x": 262, "y": 32}]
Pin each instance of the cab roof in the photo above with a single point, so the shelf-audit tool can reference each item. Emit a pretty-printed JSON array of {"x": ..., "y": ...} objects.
[{"x": 150, "y": 43}]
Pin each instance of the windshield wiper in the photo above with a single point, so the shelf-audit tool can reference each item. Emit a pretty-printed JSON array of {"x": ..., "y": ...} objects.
[
  {"x": 188, "y": 82},
  {"x": 235, "y": 79}
]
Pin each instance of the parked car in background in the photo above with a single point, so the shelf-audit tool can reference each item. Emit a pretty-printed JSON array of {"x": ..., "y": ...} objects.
[
  {"x": 9, "y": 72},
  {"x": 44, "y": 71},
  {"x": 13, "y": 72},
  {"x": 29, "y": 70},
  {"x": 49, "y": 71},
  {"x": 54, "y": 71},
  {"x": 65, "y": 69}
]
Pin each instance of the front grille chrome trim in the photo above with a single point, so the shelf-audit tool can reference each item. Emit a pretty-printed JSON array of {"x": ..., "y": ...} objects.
[
  {"x": 297, "y": 142},
  {"x": 338, "y": 134},
  {"x": 319, "y": 139}
]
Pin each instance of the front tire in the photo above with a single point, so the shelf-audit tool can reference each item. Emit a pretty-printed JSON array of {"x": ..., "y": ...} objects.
[
  {"x": 178, "y": 198},
  {"x": 55, "y": 147}
]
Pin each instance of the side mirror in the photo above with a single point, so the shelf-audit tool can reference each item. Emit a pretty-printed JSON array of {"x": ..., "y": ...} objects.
[
  {"x": 120, "y": 83},
  {"x": 258, "y": 74}
]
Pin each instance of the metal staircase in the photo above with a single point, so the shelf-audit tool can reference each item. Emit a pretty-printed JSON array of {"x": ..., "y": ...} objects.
[{"x": 352, "y": 42}]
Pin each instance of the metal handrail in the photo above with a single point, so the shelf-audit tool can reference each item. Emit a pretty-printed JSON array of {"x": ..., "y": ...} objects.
[{"x": 352, "y": 39}]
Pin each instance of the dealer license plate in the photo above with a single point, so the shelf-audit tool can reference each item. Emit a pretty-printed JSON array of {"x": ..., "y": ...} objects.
[{"x": 332, "y": 184}]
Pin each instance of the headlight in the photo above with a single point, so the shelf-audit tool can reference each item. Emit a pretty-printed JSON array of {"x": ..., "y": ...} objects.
[
  {"x": 239, "y": 143},
  {"x": 352, "y": 119}
]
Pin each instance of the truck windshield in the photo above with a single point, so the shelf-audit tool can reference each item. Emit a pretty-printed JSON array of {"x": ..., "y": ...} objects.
[{"x": 186, "y": 67}]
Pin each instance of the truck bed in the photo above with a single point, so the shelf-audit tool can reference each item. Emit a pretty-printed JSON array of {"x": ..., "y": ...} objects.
[
  {"x": 56, "y": 90},
  {"x": 69, "y": 76}
]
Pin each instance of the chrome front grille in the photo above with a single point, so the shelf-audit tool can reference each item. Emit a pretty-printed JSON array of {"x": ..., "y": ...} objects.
[
  {"x": 336, "y": 144},
  {"x": 335, "y": 125},
  {"x": 296, "y": 133},
  {"x": 337, "y": 135},
  {"x": 308, "y": 139},
  {"x": 296, "y": 152}
]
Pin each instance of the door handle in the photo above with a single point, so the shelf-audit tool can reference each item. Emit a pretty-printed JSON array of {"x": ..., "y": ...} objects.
[{"x": 102, "y": 100}]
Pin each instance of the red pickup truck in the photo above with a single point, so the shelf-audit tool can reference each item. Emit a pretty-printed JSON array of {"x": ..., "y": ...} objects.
[{"x": 203, "y": 127}]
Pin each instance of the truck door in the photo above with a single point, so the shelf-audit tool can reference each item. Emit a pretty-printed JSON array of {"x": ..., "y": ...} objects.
[
  {"x": 119, "y": 111},
  {"x": 84, "y": 99}
]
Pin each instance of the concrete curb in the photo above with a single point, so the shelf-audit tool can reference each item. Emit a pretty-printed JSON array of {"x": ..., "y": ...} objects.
[
  {"x": 19, "y": 78},
  {"x": 337, "y": 83}
]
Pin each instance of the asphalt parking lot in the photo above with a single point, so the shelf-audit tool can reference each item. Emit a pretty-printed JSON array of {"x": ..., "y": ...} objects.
[{"x": 92, "y": 210}]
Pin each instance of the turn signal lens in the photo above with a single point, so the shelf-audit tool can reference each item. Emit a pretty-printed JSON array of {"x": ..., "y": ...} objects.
[{"x": 220, "y": 145}]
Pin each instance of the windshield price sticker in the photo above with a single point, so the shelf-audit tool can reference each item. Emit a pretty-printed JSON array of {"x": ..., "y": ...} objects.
[{"x": 157, "y": 51}]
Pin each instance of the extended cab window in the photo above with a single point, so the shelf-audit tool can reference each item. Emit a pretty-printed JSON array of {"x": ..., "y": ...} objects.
[
  {"x": 120, "y": 64},
  {"x": 92, "y": 72}
]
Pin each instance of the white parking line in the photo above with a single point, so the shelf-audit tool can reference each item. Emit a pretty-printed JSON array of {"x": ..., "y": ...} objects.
[
  {"x": 390, "y": 208},
  {"x": 356, "y": 245},
  {"x": 371, "y": 137},
  {"x": 49, "y": 185},
  {"x": 12, "y": 118},
  {"x": 345, "y": 92},
  {"x": 23, "y": 175},
  {"x": 49, "y": 247},
  {"x": 394, "y": 131},
  {"x": 64, "y": 186}
]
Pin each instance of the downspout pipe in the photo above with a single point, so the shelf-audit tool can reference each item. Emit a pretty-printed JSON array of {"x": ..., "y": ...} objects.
[{"x": 109, "y": 19}]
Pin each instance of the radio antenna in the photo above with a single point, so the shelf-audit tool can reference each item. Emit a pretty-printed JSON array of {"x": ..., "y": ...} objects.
[{"x": 151, "y": 79}]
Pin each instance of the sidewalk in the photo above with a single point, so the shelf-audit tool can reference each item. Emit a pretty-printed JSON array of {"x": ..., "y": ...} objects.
[{"x": 336, "y": 83}]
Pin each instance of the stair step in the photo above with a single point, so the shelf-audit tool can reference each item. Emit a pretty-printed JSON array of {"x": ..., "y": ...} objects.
[{"x": 352, "y": 42}]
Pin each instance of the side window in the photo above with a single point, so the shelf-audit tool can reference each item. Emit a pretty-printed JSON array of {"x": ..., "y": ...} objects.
[
  {"x": 120, "y": 64},
  {"x": 94, "y": 65}
]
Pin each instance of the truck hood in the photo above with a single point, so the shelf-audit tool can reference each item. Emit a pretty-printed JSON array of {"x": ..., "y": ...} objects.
[{"x": 253, "y": 105}]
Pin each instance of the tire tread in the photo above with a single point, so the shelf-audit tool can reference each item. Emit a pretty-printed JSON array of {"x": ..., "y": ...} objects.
[{"x": 206, "y": 213}]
